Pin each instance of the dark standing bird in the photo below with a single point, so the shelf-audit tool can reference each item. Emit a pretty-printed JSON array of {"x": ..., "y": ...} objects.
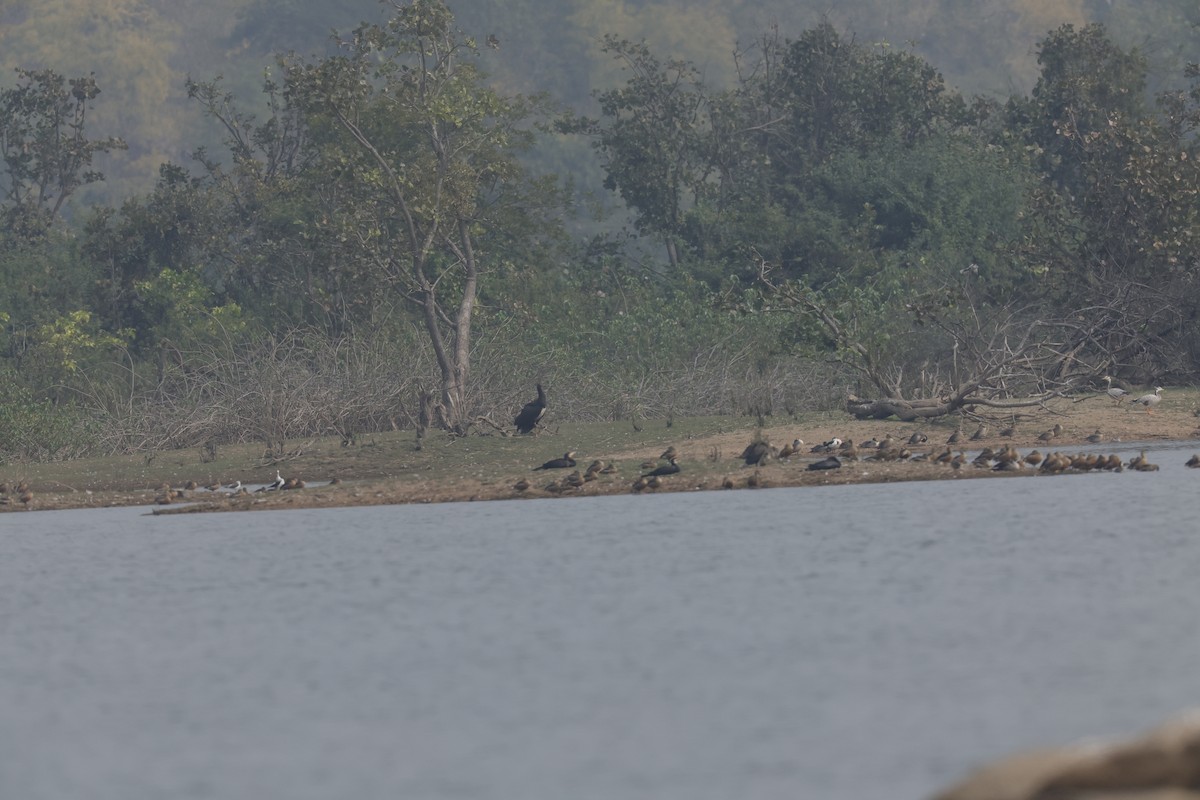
[
  {"x": 955, "y": 437},
  {"x": 979, "y": 433},
  {"x": 532, "y": 412},
  {"x": 567, "y": 461},
  {"x": 756, "y": 453},
  {"x": 670, "y": 453},
  {"x": 666, "y": 469},
  {"x": 1194, "y": 461}
]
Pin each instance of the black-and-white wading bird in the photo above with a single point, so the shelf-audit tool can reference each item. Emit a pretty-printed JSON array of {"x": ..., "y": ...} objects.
[{"x": 273, "y": 485}]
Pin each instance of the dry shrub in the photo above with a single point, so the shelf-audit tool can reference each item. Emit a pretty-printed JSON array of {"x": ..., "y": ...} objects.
[{"x": 272, "y": 388}]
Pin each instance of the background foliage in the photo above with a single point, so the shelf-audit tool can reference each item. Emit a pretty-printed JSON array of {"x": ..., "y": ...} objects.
[{"x": 201, "y": 241}]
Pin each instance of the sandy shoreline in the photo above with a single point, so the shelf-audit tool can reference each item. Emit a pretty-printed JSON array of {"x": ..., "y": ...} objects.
[{"x": 709, "y": 463}]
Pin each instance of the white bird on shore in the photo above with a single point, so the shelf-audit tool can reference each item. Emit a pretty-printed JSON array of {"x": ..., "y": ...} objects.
[
  {"x": 276, "y": 484},
  {"x": 234, "y": 487},
  {"x": 1150, "y": 400}
]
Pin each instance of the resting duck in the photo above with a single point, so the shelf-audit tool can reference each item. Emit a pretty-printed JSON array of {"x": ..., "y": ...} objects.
[
  {"x": 789, "y": 450},
  {"x": 832, "y": 462},
  {"x": 566, "y": 462},
  {"x": 672, "y": 468}
]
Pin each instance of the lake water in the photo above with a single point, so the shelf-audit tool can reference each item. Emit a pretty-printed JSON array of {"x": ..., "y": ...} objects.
[{"x": 843, "y": 643}]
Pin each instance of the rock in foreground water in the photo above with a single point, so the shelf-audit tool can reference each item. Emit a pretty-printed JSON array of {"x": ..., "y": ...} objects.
[{"x": 1163, "y": 764}]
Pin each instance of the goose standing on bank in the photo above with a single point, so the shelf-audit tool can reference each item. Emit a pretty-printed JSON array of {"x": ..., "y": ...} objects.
[
  {"x": 1150, "y": 400},
  {"x": 1115, "y": 392},
  {"x": 532, "y": 412}
]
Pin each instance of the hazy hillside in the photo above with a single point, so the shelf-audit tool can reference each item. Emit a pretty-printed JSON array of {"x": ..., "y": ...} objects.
[{"x": 142, "y": 50}]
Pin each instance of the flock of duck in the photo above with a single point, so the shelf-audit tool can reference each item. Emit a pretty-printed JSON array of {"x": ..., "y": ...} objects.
[
  {"x": 168, "y": 494},
  {"x": 836, "y": 452},
  {"x": 21, "y": 493},
  {"x": 652, "y": 478}
]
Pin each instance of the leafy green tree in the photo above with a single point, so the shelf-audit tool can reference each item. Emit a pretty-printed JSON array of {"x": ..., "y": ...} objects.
[
  {"x": 1088, "y": 86},
  {"x": 47, "y": 157},
  {"x": 653, "y": 139},
  {"x": 131, "y": 47},
  {"x": 45, "y": 147},
  {"x": 1113, "y": 227}
]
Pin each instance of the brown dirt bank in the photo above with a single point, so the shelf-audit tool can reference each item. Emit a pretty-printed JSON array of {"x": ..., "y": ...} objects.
[{"x": 389, "y": 469}]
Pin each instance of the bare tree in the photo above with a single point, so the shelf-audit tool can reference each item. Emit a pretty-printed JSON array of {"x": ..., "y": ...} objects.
[{"x": 1001, "y": 358}]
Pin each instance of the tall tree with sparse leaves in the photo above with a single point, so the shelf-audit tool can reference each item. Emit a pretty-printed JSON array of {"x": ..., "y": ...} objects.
[{"x": 426, "y": 155}]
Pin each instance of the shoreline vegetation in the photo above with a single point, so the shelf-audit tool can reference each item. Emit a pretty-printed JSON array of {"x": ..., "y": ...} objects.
[{"x": 385, "y": 469}]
